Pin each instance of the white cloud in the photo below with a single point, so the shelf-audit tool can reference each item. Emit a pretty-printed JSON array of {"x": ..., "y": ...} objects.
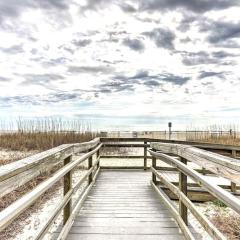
[{"x": 85, "y": 61}]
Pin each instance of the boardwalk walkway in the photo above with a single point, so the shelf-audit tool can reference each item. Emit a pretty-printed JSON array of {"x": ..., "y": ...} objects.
[{"x": 122, "y": 205}]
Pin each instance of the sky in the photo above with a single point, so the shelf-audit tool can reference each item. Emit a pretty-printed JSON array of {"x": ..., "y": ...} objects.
[{"x": 134, "y": 64}]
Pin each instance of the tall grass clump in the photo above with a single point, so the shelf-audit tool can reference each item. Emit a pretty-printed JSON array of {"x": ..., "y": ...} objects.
[
  {"x": 222, "y": 134},
  {"x": 35, "y": 134}
]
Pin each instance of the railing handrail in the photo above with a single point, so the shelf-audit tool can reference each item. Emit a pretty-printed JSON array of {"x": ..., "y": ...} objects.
[
  {"x": 204, "y": 145},
  {"x": 11, "y": 169},
  {"x": 12, "y": 212},
  {"x": 221, "y": 165},
  {"x": 19, "y": 166},
  {"x": 16, "y": 174},
  {"x": 221, "y": 194}
]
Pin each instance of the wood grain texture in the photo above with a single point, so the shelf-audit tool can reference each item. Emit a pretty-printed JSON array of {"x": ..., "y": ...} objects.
[
  {"x": 207, "y": 225},
  {"x": 122, "y": 205},
  {"x": 221, "y": 165},
  {"x": 226, "y": 197},
  {"x": 203, "y": 145}
]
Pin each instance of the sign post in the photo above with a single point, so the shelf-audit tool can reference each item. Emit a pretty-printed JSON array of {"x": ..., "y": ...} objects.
[{"x": 170, "y": 130}]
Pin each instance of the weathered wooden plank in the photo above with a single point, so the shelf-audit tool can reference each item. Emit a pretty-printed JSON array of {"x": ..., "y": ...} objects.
[
  {"x": 145, "y": 156},
  {"x": 203, "y": 145},
  {"x": 127, "y": 220},
  {"x": 16, "y": 208},
  {"x": 85, "y": 146},
  {"x": 64, "y": 232},
  {"x": 115, "y": 230},
  {"x": 58, "y": 153},
  {"x": 127, "y": 215},
  {"x": 127, "y": 209},
  {"x": 125, "y": 156},
  {"x": 123, "y": 167},
  {"x": 124, "y": 237},
  {"x": 229, "y": 199},
  {"x": 67, "y": 186},
  {"x": 14, "y": 182},
  {"x": 134, "y": 211},
  {"x": 113, "y": 222},
  {"x": 182, "y": 196},
  {"x": 16, "y": 174},
  {"x": 131, "y": 145},
  {"x": 164, "y": 198},
  {"x": 223, "y": 166},
  {"x": 183, "y": 187}
]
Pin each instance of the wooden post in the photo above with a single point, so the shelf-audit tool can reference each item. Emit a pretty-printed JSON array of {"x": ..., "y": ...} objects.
[
  {"x": 98, "y": 154},
  {"x": 183, "y": 187},
  {"x": 203, "y": 170},
  {"x": 90, "y": 177},
  {"x": 233, "y": 185},
  {"x": 67, "y": 186},
  {"x": 154, "y": 161},
  {"x": 145, "y": 156}
]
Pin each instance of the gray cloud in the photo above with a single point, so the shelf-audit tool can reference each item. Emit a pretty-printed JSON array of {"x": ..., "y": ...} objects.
[
  {"x": 95, "y": 4},
  {"x": 163, "y": 38},
  {"x": 134, "y": 44},
  {"x": 187, "y": 21},
  {"x": 14, "y": 8},
  {"x": 151, "y": 83},
  {"x": 204, "y": 74},
  {"x": 129, "y": 83},
  {"x": 196, "y": 58},
  {"x": 41, "y": 99},
  {"x": 53, "y": 61},
  {"x": 81, "y": 42},
  {"x": 40, "y": 79},
  {"x": 15, "y": 49},
  {"x": 128, "y": 8},
  {"x": 114, "y": 86},
  {"x": 90, "y": 69},
  {"x": 202, "y": 57},
  {"x": 177, "y": 80},
  {"x": 197, "y": 6},
  {"x": 4, "y": 79},
  {"x": 144, "y": 76},
  {"x": 192, "y": 5},
  {"x": 220, "y": 32},
  {"x": 222, "y": 54}
]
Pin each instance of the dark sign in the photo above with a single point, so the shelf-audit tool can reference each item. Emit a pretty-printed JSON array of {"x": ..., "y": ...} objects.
[{"x": 169, "y": 124}]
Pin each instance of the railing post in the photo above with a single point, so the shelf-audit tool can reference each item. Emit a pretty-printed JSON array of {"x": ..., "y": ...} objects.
[
  {"x": 154, "y": 163},
  {"x": 233, "y": 185},
  {"x": 145, "y": 155},
  {"x": 67, "y": 186},
  {"x": 98, "y": 155},
  {"x": 90, "y": 177},
  {"x": 183, "y": 187}
]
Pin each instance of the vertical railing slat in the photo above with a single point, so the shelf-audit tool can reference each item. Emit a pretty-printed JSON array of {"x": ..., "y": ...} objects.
[
  {"x": 67, "y": 185},
  {"x": 233, "y": 185},
  {"x": 154, "y": 164},
  {"x": 90, "y": 163},
  {"x": 183, "y": 187},
  {"x": 145, "y": 155}
]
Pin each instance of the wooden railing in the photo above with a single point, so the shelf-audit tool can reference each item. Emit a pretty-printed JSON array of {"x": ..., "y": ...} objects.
[
  {"x": 16, "y": 174},
  {"x": 226, "y": 167}
]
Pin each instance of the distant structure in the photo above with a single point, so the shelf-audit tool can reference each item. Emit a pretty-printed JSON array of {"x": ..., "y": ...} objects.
[{"x": 170, "y": 130}]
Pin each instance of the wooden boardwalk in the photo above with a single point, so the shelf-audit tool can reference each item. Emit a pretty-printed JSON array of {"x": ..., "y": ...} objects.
[
  {"x": 124, "y": 202},
  {"x": 123, "y": 205}
]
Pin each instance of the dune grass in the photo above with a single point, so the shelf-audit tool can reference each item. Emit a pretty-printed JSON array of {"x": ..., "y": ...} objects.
[{"x": 44, "y": 134}]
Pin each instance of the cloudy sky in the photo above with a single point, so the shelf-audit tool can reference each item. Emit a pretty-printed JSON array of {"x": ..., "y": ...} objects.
[{"x": 121, "y": 64}]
